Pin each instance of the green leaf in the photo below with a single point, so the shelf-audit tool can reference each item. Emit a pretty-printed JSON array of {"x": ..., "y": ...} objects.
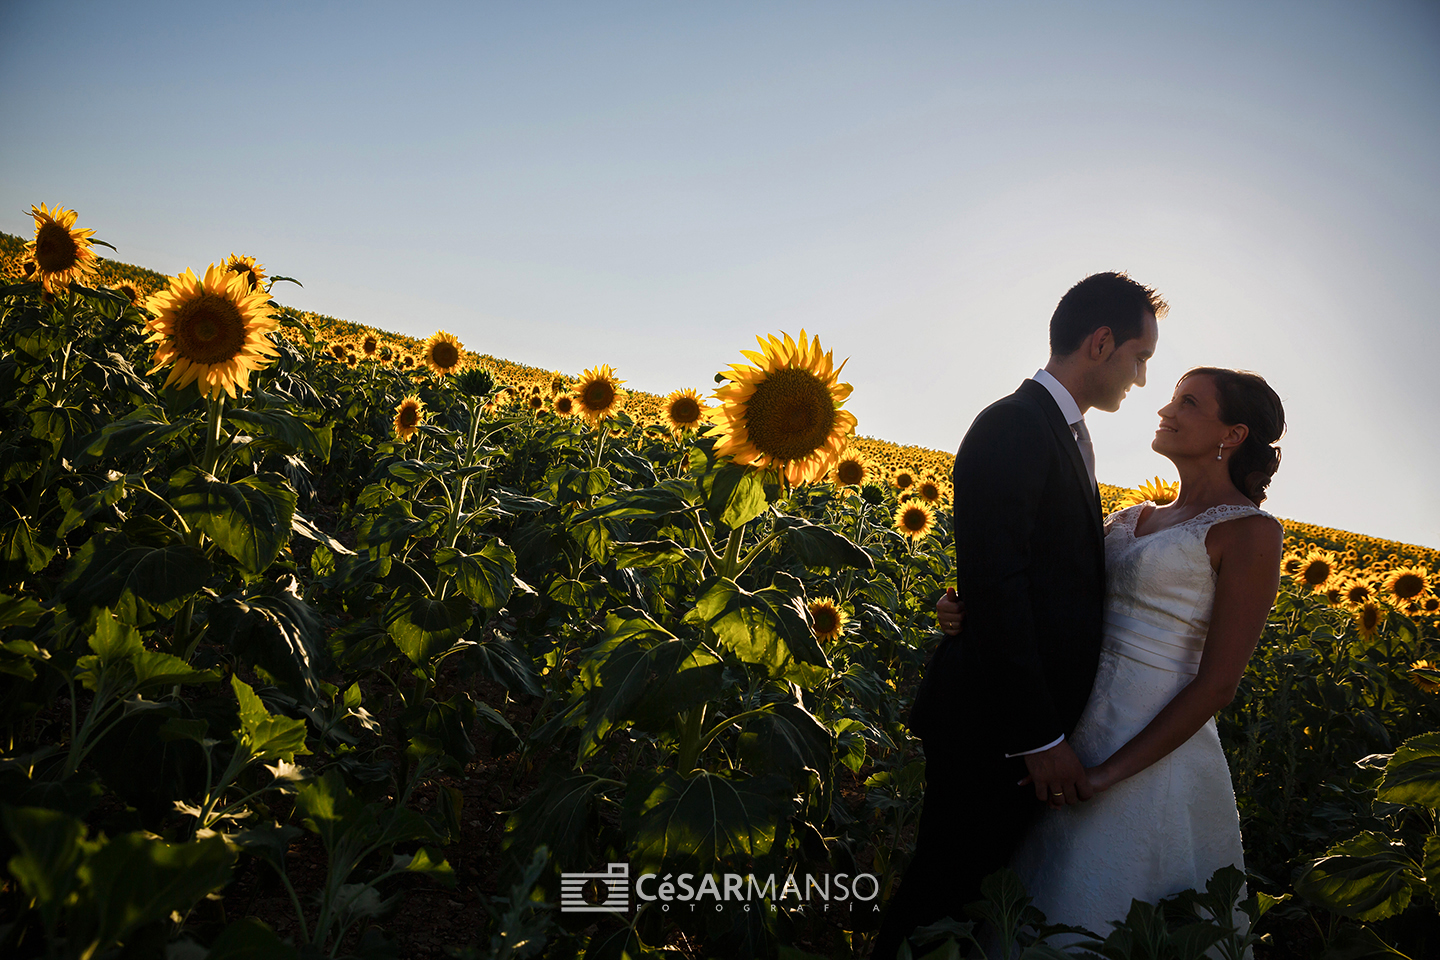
[
  {"x": 787, "y": 740},
  {"x": 568, "y": 484},
  {"x": 703, "y": 823},
  {"x": 426, "y": 629},
  {"x": 19, "y": 611},
  {"x": 111, "y": 570},
  {"x": 135, "y": 880},
  {"x": 1368, "y": 877},
  {"x": 487, "y": 577},
  {"x": 649, "y": 553},
  {"x": 144, "y": 429},
  {"x": 21, "y": 552},
  {"x": 283, "y": 425},
  {"x": 275, "y": 629},
  {"x": 430, "y": 863},
  {"x": 307, "y": 529},
  {"x": 817, "y": 546},
  {"x": 263, "y": 735},
  {"x": 78, "y": 511},
  {"x": 393, "y": 524},
  {"x": 250, "y": 939},
  {"x": 562, "y": 814},
  {"x": 658, "y": 501},
  {"x": 52, "y": 845},
  {"x": 249, "y": 519},
  {"x": 734, "y": 495},
  {"x": 1353, "y": 942},
  {"x": 1412, "y": 776},
  {"x": 768, "y": 628},
  {"x": 1431, "y": 865}
]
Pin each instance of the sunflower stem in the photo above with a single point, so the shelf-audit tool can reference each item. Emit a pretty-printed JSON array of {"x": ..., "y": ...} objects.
[
  {"x": 212, "y": 434},
  {"x": 732, "y": 554}
]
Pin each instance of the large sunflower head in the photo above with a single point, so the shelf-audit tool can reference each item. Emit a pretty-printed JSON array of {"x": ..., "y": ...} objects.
[
  {"x": 785, "y": 410},
  {"x": 254, "y": 273},
  {"x": 684, "y": 410},
  {"x": 903, "y": 479},
  {"x": 1157, "y": 491},
  {"x": 852, "y": 470},
  {"x": 58, "y": 254},
  {"x": 408, "y": 415},
  {"x": 1317, "y": 569},
  {"x": 1407, "y": 584},
  {"x": 827, "y": 619},
  {"x": 927, "y": 488},
  {"x": 564, "y": 405},
  {"x": 443, "y": 352},
  {"x": 598, "y": 395},
  {"x": 1368, "y": 618},
  {"x": 213, "y": 331},
  {"x": 915, "y": 519}
]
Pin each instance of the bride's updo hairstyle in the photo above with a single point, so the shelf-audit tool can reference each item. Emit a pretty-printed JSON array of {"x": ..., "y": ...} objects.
[{"x": 1246, "y": 398}]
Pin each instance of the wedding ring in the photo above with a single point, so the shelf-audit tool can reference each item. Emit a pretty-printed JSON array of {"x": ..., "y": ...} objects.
[{"x": 1057, "y": 794}]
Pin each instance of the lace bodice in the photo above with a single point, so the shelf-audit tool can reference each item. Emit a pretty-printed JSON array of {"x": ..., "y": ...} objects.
[{"x": 1164, "y": 579}]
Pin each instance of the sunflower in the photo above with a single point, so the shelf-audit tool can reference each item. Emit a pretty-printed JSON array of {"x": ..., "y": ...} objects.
[
  {"x": 902, "y": 479},
  {"x": 407, "y": 416},
  {"x": 58, "y": 254},
  {"x": 536, "y": 403},
  {"x": 928, "y": 489},
  {"x": 1368, "y": 618},
  {"x": 254, "y": 273},
  {"x": 559, "y": 383},
  {"x": 1334, "y": 592},
  {"x": 852, "y": 470},
  {"x": 1407, "y": 583},
  {"x": 1317, "y": 569},
  {"x": 212, "y": 330},
  {"x": 1292, "y": 564},
  {"x": 564, "y": 405},
  {"x": 1156, "y": 491},
  {"x": 130, "y": 290},
  {"x": 914, "y": 519},
  {"x": 827, "y": 619},
  {"x": 370, "y": 345},
  {"x": 443, "y": 352},
  {"x": 337, "y": 350},
  {"x": 1431, "y": 605},
  {"x": 684, "y": 410},
  {"x": 1357, "y": 591},
  {"x": 598, "y": 394},
  {"x": 786, "y": 410},
  {"x": 1425, "y": 675}
]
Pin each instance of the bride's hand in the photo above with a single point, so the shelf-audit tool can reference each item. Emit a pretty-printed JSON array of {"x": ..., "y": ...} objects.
[
  {"x": 950, "y": 612},
  {"x": 1100, "y": 778}
]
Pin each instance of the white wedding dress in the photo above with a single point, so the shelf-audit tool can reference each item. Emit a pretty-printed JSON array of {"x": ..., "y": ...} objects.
[{"x": 1172, "y": 825}]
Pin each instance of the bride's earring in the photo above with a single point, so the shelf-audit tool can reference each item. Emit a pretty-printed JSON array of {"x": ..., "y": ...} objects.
[{"x": 1219, "y": 452}]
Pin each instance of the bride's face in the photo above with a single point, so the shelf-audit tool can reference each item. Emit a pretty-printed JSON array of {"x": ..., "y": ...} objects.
[{"x": 1190, "y": 423}]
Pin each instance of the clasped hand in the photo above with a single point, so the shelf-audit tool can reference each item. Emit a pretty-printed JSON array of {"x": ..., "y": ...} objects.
[{"x": 1058, "y": 776}]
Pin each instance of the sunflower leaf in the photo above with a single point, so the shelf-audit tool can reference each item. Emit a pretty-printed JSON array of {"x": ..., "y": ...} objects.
[
  {"x": 817, "y": 546},
  {"x": 249, "y": 519},
  {"x": 767, "y": 628},
  {"x": 1368, "y": 877},
  {"x": 1412, "y": 776},
  {"x": 702, "y": 821}
]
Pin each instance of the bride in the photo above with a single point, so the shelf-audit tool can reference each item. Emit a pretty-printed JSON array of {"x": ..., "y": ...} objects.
[{"x": 1189, "y": 586}]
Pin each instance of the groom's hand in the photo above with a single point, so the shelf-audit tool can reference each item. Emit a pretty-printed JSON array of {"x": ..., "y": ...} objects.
[
  {"x": 950, "y": 612},
  {"x": 1058, "y": 775}
]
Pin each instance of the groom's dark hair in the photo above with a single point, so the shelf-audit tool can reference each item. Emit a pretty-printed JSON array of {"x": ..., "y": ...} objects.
[{"x": 1102, "y": 300}]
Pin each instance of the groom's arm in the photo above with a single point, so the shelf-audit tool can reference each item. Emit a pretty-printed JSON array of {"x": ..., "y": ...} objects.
[{"x": 1000, "y": 479}]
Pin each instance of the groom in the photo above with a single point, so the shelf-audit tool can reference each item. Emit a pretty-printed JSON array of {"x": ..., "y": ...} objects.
[{"x": 998, "y": 700}]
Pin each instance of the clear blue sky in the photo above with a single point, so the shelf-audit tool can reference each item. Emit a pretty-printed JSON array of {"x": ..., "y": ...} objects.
[{"x": 650, "y": 185}]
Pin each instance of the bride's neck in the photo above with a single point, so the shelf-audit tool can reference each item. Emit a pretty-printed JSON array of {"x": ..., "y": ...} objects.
[{"x": 1203, "y": 484}]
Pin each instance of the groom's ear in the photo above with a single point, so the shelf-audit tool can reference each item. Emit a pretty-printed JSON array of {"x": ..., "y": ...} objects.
[{"x": 1100, "y": 344}]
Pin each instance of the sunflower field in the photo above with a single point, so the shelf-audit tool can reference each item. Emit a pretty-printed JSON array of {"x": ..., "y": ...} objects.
[{"x": 322, "y": 641}]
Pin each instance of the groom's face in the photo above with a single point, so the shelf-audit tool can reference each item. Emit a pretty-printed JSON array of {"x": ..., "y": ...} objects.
[{"x": 1125, "y": 366}]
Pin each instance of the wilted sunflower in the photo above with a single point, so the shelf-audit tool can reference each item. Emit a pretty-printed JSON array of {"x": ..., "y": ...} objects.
[
  {"x": 914, "y": 519},
  {"x": 786, "y": 410},
  {"x": 1407, "y": 583},
  {"x": 58, "y": 253},
  {"x": 1425, "y": 675},
  {"x": 407, "y": 416},
  {"x": 684, "y": 410},
  {"x": 851, "y": 470},
  {"x": 1157, "y": 491},
  {"x": 828, "y": 619},
  {"x": 1317, "y": 569},
  {"x": 212, "y": 330},
  {"x": 1368, "y": 618},
  {"x": 559, "y": 383},
  {"x": 443, "y": 352},
  {"x": 564, "y": 405},
  {"x": 598, "y": 394},
  {"x": 254, "y": 273}
]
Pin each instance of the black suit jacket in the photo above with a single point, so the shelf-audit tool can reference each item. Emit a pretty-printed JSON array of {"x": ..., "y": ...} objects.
[{"x": 1029, "y": 545}]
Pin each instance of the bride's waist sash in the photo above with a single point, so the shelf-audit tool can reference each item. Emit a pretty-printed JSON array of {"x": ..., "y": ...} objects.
[{"x": 1156, "y": 646}]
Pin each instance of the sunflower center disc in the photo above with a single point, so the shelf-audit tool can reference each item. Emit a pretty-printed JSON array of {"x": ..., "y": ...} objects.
[
  {"x": 598, "y": 395},
  {"x": 445, "y": 355},
  {"x": 55, "y": 249},
  {"x": 1408, "y": 586},
  {"x": 685, "y": 410},
  {"x": 790, "y": 414},
  {"x": 209, "y": 330}
]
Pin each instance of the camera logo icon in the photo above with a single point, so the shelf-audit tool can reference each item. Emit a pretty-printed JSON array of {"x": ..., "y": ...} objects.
[{"x": 596, "y": 892}]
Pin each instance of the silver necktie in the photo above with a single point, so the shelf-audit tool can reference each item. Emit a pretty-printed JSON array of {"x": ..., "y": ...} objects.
[{"x": 1087, "y": 449}]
